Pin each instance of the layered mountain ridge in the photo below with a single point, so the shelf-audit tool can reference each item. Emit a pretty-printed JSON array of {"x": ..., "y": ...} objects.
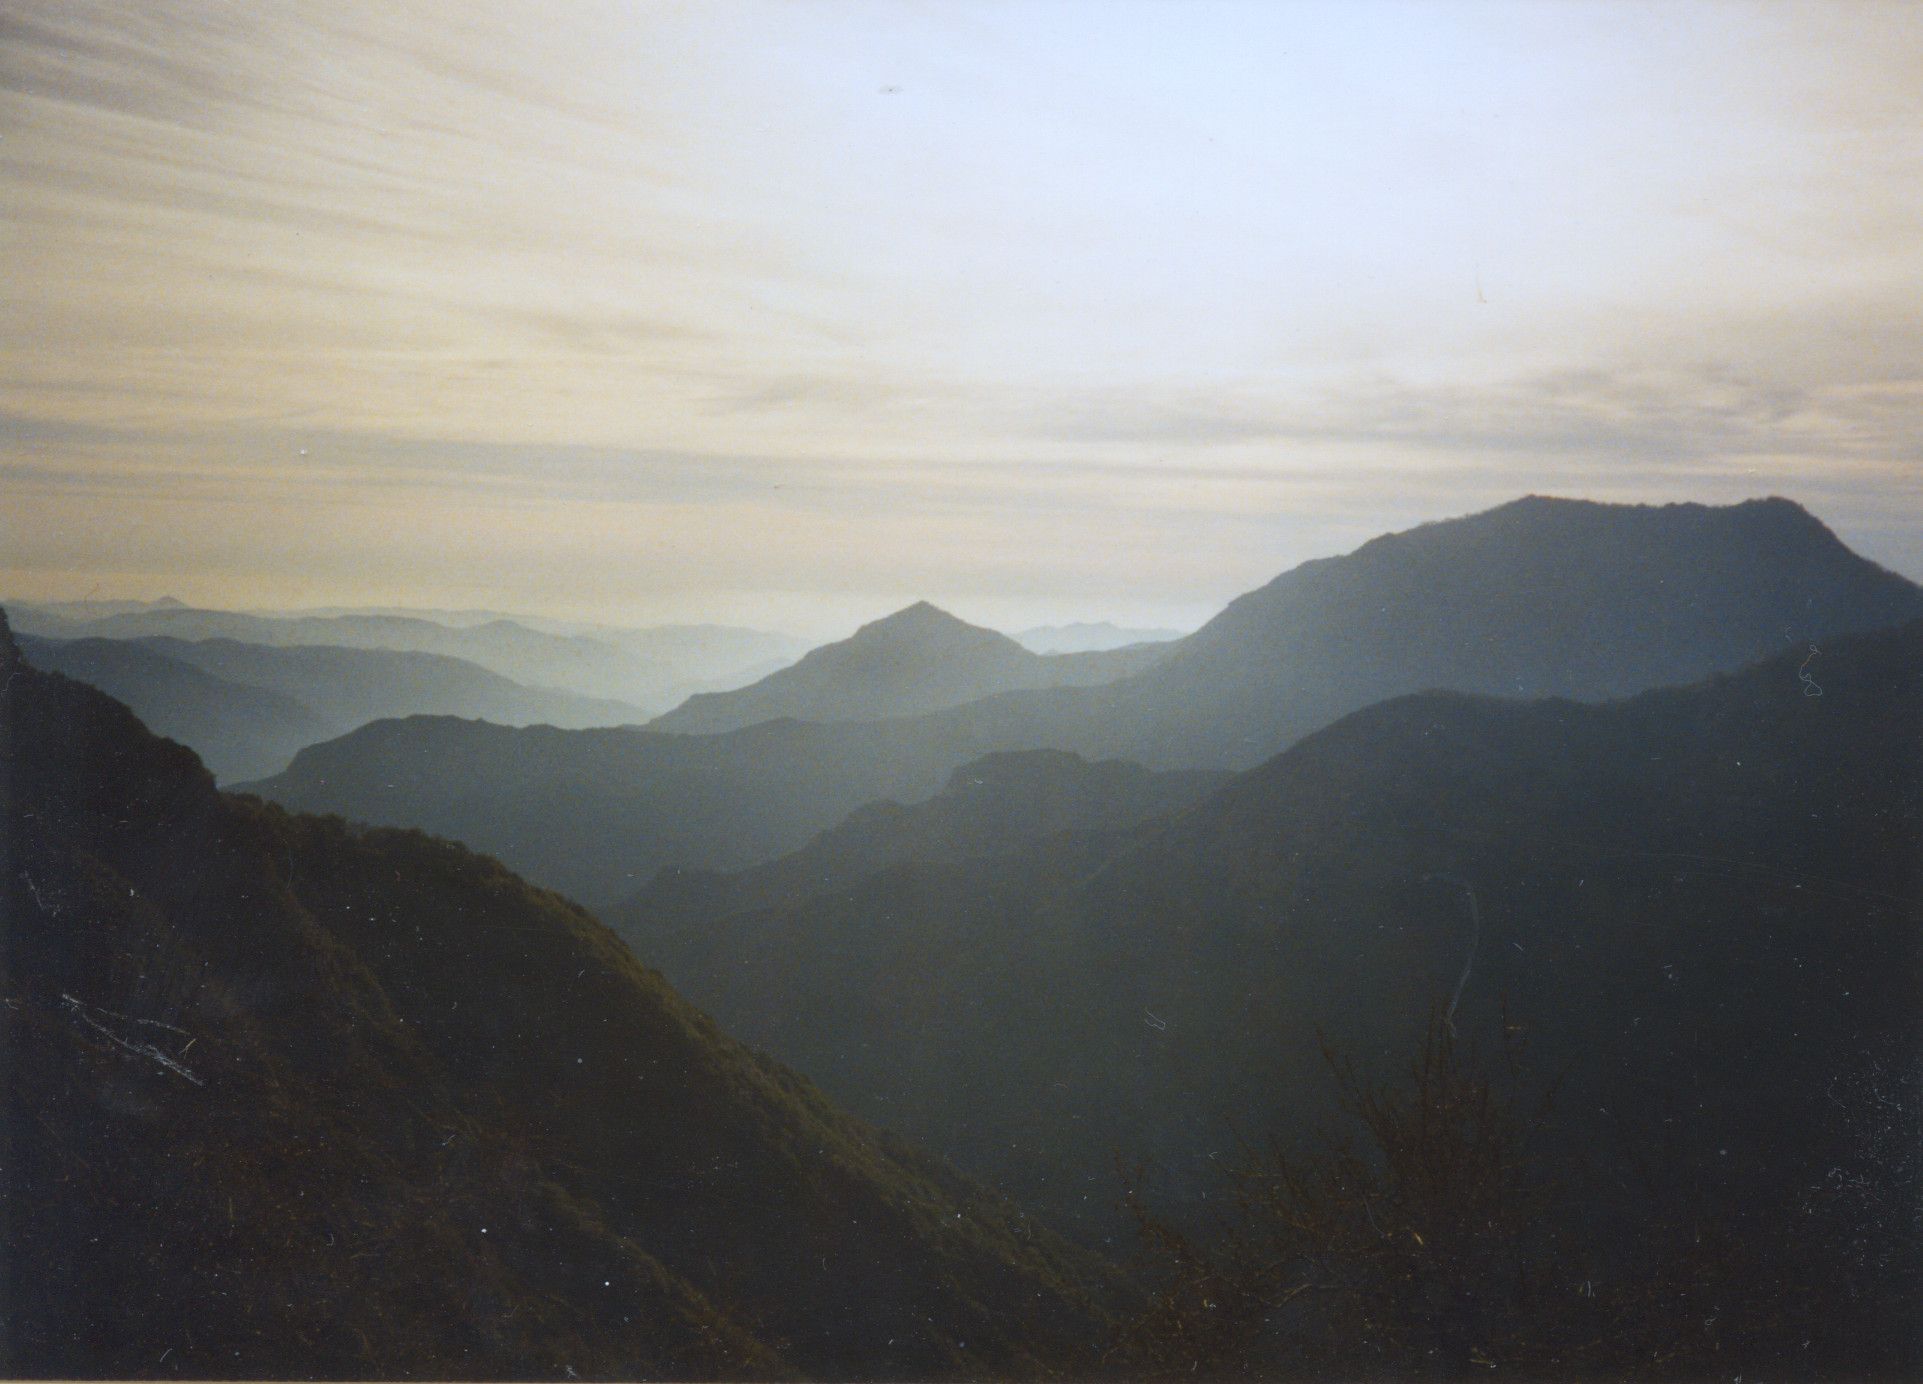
[{"x": 1540, "y": 597}]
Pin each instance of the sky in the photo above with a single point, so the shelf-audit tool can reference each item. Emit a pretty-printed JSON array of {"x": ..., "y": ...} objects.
[{"x": 790, "y": 314}]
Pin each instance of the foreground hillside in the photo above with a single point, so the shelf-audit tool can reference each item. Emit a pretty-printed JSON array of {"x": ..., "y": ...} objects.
[
  {"x": 1702, "y": 908},
  {"x": 286, "y": 1098},
  {"x": 1536, "y": 598}
]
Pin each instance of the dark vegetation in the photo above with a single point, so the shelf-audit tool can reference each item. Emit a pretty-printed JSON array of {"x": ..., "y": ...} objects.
[
  {"x": 286, "y": 1097},
  {"x": 1439, "y": 1233},
  {"x": 1705, "y": 906}
]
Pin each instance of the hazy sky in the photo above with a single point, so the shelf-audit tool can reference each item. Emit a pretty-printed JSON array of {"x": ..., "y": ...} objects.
[{"x": 796, "y": 312}]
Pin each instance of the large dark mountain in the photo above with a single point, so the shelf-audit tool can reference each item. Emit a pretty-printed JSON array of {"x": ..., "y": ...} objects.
[
  {"x": 240, "y": 730},
  {"x": 247, "y": 708},
  {"x": 1703, "y": 906},
  {"x": 1540, "y": 597},
  {"x": 918, "y": 659},
  {"x": 284, "y": 1097}
]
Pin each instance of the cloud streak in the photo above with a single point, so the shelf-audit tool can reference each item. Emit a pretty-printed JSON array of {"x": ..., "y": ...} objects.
[{"x": 752, "y": 291}]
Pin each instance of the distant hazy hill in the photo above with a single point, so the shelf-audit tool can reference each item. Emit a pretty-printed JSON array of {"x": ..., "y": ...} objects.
[
  {"x": 351, "y": 687},
  {"x": 631, "y": 667},
  {"x": 1089, "y": 637},
  {"x": 284, "y": 1098},
  {"x": 1703, "y": 907},
  {"x": 1535, "y": 598},
  {"x": 918, "y": 659},
  {"x": 239, "y": 729},
  {"x": 597, "y": 812},
  {"x": 998, "y": 804},
  {"x": 248, "y": 708}
]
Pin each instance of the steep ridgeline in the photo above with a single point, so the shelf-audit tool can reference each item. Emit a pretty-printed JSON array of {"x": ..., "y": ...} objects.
[
  {"x": 245, "y": 709},
  {"x": 916, "y": 660},
  {"x": 999, "y": 804},
  {"x": 287, "y": 1098},
  {"x": 1537, "y": 598},
  {"x": 1703, "y": 907}
]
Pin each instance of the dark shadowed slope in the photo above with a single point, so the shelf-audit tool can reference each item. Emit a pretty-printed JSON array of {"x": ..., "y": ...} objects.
[
  {"x": 998, "y": 804},
  {"x": 1704, "y": 906},
  {"x": 918, "y": 659},
  {"x": 287, "y": 1098},
  {"x": 240, "y": 730}
]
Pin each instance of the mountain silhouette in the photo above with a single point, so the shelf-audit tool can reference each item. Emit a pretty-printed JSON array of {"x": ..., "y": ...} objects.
[
  {"x": 630, "y": 666},
  {"x": 654, "y": 798},
  {"x": 286, "y": 1097},
  {"x": 246, "y": 709},
  {"x": 918, "y": 659},
  {"x": 1703, "y": 907},
  {"x": 241, "y": 730},
  {"x": 1536, "y": 598}
]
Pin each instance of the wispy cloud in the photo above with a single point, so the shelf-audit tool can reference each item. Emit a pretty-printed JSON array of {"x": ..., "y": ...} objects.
[{"x": 853, "y": 295}]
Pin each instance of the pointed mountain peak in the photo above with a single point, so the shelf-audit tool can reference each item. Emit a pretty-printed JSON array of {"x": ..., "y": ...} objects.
[
  {"x": 168, "y": 603},
  {"x": 921, "y": 621}
]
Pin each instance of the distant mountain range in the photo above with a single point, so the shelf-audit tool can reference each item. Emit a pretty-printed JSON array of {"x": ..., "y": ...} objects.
[
  {"x": 240, "y": 730},
  {"x": 918, "y": 659},
  {"x": 247, "y": 709},
  {"x": 652, "y": 669},
  {"x": 1536, "y": 598},
  {"x": 1703, "y": 907},
  {"x": 285, "y": 1097},
  {"x": 1089, "y": 637}
]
